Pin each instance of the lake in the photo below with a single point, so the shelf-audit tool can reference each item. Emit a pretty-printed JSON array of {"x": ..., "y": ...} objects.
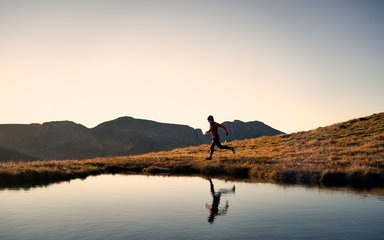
[{"x": 156, "y": 207}]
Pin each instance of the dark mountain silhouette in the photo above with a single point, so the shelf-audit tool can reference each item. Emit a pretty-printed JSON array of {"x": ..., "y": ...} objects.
[
  {"x": 122, "y": 136},
  {"x": 51, "y": 140},
  {"x": 6, "y": 155},
  {"x": 127, "y": 135},
  {"x": 242, "y": 130}
]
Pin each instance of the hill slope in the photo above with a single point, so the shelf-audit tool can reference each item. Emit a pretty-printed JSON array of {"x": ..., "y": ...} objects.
[
  {"x": 346, "y": 153},
  {"x": 6, "y": 154}
]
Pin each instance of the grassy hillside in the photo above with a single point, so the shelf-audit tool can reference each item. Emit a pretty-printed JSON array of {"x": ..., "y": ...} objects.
[{"x": 348, "y": 153}]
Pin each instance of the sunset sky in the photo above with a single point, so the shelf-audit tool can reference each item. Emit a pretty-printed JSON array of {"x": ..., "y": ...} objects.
[{"x": 294, "y": 65}]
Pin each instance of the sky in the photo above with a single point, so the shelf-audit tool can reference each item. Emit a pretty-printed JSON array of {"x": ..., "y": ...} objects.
[{"x": 293, "y": 64}]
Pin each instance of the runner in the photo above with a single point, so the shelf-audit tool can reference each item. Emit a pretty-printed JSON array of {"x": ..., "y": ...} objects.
[{"x": 213, "y": 129}]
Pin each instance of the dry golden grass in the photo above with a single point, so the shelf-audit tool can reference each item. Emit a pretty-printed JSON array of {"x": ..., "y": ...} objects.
[{"x": 345, "y": 153}]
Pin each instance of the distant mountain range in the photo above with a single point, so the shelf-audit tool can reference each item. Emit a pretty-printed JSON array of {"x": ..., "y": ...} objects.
[{"x": 122, "y": 136}]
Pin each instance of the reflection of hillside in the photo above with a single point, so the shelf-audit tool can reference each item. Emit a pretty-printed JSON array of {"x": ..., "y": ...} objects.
[{"x": 362, "y": 192}]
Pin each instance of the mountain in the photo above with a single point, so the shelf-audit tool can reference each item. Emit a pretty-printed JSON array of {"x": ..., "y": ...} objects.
[
  {"x": 242, "y": 130},
  {"x": 127, "y": 135},
  {"x": 6, "y": 155},
  {"x": 51, "y": 140},
  {"x": 122, "y": 136}
]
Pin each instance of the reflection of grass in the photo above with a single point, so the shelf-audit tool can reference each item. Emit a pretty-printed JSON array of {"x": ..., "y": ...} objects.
[{"x": 346, "y": 153}]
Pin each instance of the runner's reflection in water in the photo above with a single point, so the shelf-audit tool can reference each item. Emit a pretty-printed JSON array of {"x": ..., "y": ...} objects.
[{"x": 214, "y": 208}]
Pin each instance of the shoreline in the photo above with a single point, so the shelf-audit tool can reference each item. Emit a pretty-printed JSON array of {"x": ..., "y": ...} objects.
[{"x": 49, "y": 172}]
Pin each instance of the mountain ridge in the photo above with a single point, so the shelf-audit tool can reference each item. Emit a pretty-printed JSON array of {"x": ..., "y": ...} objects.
[{"x": 125, "y": 135}]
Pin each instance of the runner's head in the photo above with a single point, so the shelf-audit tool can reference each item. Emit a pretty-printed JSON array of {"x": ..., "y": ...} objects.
[{"x": 210, "y": 118}]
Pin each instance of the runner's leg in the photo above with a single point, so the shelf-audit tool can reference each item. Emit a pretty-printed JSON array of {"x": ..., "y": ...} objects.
[
  {"x": 212, "y": 148},
  {"x": 218, "y": 143}
]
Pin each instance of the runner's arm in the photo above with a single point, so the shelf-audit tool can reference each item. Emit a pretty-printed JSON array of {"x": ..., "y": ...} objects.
[
  {"x": 210, "y": 128},
  {"x": 223, "y": 127}
]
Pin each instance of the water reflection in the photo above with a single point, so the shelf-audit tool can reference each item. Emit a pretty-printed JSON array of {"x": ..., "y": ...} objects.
[
  {"x": 214, "y": 208},
  {"x": 138, "y": 207}
]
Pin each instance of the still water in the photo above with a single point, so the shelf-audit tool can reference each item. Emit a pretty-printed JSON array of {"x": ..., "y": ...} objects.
[{"x": 154, "y": 207}]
